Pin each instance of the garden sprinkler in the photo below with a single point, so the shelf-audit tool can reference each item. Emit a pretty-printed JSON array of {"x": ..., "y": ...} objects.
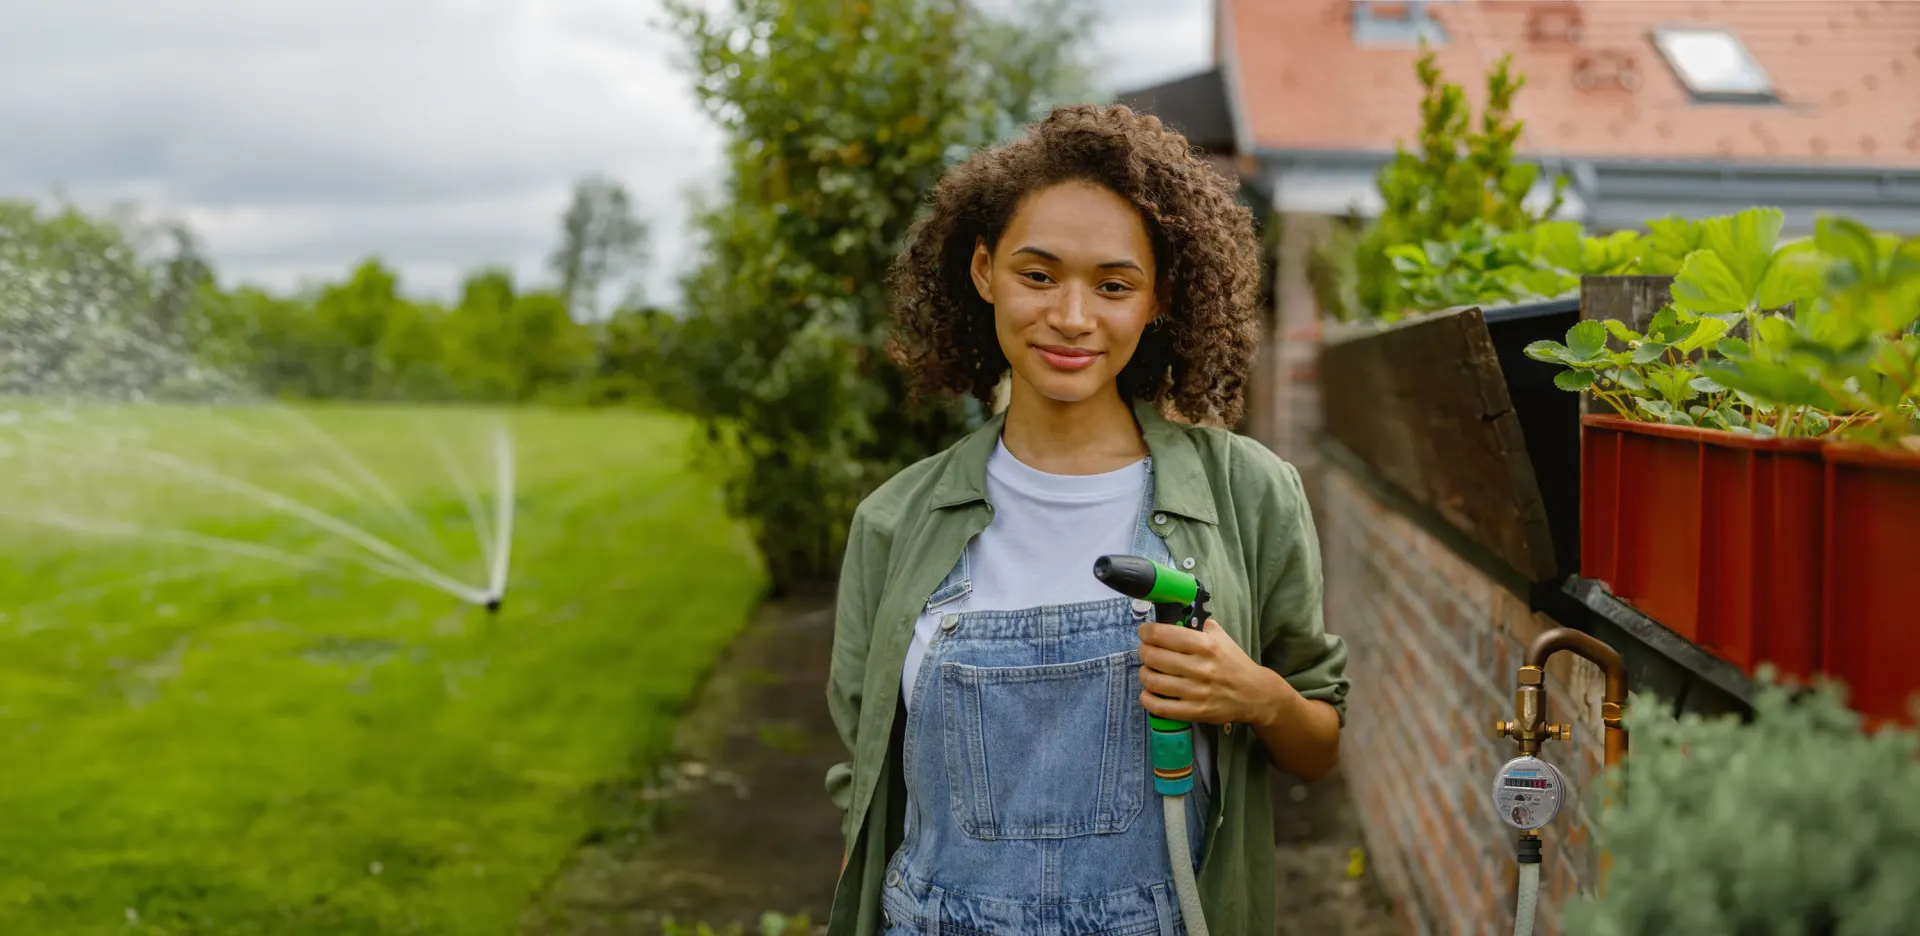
[
  {"x": 1527, "y": 791},
  {"x": 1177, "y": 598}
]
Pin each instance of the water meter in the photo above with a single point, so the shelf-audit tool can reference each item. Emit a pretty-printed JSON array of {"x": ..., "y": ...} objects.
[{"x": 1527, "y": 793}]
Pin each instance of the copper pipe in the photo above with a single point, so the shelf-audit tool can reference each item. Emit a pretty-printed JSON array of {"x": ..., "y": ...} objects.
[{"x": 1613, "y": 702}]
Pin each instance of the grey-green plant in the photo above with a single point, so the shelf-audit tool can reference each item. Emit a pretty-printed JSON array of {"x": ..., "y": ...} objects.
[{"x": 1797, "y": 822}]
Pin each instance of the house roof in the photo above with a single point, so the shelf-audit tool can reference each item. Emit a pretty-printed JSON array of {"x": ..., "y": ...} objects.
[
  {"x": 1195, "y": 105},
  {"x": 1847, "y": 74}
]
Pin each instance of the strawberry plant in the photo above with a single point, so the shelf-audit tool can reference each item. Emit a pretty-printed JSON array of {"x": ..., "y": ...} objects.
[
  {"x": 1848, "y": 359},
  {"x": 1801, "y": 339},
  {"x": 1483, "y": 265}
]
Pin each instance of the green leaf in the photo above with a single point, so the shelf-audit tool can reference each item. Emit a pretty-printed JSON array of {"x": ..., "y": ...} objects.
[
  {"x": 1769, "y": 383},
  {"x": 1775, "y": 332},
  {"x": 1745, "y": 243},
  {"x": 1649, "y": 352},
  {"x": 1587, "y": 340},
  {"x": 1632, "y": 380},
  {"x": 1706, "y": 285},
  {"x": 1557, "y": 243},
  {"x": 1852, "y": 244},
  {"x": 1706, "y": 331},
  {"x": 1734, "y": 349},
  {"x": 1574, "y": 380},
  {"x": 1619, "y": 329},
  {"x": 1706, "y": 385},
  {"x": 1673, "y": 384},
  {"x": 1798, "y": 271},
  {"x": 1552, "y": 352}
]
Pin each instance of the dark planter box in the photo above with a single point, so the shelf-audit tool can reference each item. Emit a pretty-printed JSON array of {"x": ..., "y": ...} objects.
[
  {"x": 1872, "y": 590},
  {"x": 1424, "y": 403},
  {"x": 1549, "y": 416},
  {"x": 1715, "y": 535}
]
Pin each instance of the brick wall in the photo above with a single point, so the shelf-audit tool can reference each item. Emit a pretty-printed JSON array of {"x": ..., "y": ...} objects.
[{"x": 1435, "y": 645}]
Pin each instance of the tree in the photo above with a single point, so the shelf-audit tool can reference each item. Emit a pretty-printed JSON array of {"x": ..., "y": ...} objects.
[
  {"x": 1459, "y": 175},
  {"x": 602, "y": 244},
  {"x": 838, "y": 118}
]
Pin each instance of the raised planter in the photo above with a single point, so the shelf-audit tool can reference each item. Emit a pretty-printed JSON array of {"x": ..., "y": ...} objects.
[
  {"x": 1423, "y": 403},
  {"x": 1716, "y": 535},
  {"x": 1872, "y": 600},
  {"x": 1549, "y": 416}
]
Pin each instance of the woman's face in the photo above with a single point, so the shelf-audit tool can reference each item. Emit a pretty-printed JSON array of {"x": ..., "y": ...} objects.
[{"x": 1072, "y": 288}]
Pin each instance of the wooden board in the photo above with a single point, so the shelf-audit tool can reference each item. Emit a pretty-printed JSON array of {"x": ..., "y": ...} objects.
[{"x": 1424, "y": 403}]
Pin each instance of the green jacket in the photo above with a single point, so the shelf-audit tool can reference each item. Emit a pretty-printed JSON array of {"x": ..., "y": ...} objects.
[{"x": 1220, "y": 498}]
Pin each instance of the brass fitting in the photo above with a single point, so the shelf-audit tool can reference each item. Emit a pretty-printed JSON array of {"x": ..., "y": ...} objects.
[{"x": 1529, "y": 725}]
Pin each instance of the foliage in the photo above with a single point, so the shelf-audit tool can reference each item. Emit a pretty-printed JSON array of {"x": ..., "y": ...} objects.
[
  {"x": 1462, "y": 175},
  {"x": 210, "y": 743},
  {"x": 1790, "y": 340},
  {"x": 602, "y": 244},
  {"x": 113, "y": 306},
  {"x": 838, "y": 118},
  {"x": 1485, "y": 266},
  {"x": 1798, "y": 822}
]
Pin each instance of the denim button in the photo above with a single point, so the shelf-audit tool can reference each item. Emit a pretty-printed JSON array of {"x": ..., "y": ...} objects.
[
  {"x": 1186, "y": 563},
  {"x": 1142, "y": 606},
  {"x": 893, "y": 879},
  {"x": 949, "y": 621}
]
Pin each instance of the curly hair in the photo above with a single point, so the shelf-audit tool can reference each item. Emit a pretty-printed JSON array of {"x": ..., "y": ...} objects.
[{"x": 1195, "y": 355}]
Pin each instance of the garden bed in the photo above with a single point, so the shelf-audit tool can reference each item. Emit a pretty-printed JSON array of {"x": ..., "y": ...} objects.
[{"x": 1425, "y": 403}]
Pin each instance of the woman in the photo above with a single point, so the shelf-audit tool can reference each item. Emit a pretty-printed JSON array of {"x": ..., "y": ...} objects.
[{"x": 992, "y": 693}]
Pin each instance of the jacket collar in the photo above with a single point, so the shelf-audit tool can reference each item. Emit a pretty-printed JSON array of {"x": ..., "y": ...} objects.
[{"x": 1180, "y": 484}]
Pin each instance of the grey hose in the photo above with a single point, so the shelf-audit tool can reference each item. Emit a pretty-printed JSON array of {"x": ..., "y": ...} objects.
[
  {"x": 1179, "y": 853},
  {"x": 1524, "y": 911}
]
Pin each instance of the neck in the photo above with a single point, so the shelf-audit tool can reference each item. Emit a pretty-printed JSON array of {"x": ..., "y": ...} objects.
[{"x": 1091, "y": 436}]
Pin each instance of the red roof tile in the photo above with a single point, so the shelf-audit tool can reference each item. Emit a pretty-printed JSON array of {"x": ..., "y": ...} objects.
[{"x": 1847, "y": 73}]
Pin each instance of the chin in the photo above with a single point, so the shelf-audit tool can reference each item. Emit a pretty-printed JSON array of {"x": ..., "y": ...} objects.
[{"x": 1068, "y": 388}]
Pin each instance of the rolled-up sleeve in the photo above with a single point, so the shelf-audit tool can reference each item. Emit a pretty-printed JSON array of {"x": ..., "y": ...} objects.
[{"x": 1294, "y": 639}]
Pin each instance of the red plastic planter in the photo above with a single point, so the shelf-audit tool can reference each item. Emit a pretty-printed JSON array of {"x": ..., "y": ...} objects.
[
  {"x": 1872, "y": 582},
  {"x": 1713, "y": 534}
]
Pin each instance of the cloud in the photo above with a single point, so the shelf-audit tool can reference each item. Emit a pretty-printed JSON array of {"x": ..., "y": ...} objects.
[{"x": 300, "y": 136}]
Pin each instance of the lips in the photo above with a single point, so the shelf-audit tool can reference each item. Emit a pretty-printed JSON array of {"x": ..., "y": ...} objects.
[{"x": 1064, "y": 358}]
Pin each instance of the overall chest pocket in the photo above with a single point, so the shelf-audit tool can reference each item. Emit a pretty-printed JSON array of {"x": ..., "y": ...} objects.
[{"x": 1037, "y": 752}]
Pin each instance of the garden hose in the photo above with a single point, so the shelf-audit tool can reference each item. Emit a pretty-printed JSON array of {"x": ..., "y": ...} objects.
[
  {"x": 1177, "y": 598},
  {"x": 1528, "y": 904}
]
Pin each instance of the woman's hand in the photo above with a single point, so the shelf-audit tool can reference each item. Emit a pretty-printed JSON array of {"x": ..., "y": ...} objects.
[{"x": 1203, "y": 676}]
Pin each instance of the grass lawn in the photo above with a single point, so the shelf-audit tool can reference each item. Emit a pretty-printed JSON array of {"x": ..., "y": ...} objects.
[{"x": 202, "y": 741}]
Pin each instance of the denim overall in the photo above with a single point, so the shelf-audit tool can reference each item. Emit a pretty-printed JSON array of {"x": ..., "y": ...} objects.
[{"x": 1030, "y": 796}]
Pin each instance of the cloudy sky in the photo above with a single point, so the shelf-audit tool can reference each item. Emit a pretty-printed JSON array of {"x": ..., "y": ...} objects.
[{"x": 298, "y": 136}]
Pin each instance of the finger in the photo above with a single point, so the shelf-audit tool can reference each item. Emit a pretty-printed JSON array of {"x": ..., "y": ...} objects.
[
  {"x": 1169, "y": 708},
  {"x": 1173, "y": 662},
  {"x": 1173, "y": 687},
  {"x": 1172, "y": 637}
]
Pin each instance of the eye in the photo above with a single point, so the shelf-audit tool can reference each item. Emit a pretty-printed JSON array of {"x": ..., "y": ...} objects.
[
  {"x": 1116, "y": 286},
  {"x": 1036, "y": 276}
]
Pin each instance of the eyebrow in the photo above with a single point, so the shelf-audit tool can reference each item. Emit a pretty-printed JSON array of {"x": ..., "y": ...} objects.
[{"x": 1109, "y": 265}]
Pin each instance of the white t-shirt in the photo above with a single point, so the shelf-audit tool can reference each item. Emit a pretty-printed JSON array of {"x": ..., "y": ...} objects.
[{"x": 1039, "y": 549}]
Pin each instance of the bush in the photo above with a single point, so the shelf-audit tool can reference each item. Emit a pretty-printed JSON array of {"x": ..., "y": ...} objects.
[
  {"x": 838, "y": 117},
  {"x": 1797, "y": 822}
]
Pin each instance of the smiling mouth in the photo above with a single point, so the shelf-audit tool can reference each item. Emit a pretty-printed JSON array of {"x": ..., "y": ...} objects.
[{"x": 1064, "y": 358}]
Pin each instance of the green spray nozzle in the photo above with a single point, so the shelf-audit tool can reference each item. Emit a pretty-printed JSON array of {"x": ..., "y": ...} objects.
[{"x": 1178, "y": 597}]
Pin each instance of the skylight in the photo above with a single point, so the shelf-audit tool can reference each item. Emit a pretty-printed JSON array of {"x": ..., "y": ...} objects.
[{"x": 1713, "y": 64}]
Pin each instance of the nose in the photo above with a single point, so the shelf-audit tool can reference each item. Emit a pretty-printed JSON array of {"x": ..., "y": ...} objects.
[{"x": 1069, "y": 316}]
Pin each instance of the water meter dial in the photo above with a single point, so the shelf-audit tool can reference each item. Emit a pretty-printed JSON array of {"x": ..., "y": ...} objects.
[{"x": 1528, "y": 793}]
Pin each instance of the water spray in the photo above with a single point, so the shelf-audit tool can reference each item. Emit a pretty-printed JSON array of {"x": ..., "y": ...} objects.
[{"x": 1177, "y": 598}]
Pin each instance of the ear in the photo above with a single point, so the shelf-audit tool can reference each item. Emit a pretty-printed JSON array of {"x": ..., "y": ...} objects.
[{"x": 982, "y": 270}]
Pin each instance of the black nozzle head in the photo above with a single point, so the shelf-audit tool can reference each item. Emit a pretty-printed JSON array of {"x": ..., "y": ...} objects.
[
  {"x": 1132, "y": 576},
  {"x": 493, "y": 605}
]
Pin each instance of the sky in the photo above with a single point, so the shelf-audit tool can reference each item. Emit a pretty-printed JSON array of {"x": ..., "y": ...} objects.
[{"x": 297, "y": 137}]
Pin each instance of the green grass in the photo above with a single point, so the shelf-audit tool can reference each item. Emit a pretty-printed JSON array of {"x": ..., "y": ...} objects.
[{"x": 194, "y": 741}]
